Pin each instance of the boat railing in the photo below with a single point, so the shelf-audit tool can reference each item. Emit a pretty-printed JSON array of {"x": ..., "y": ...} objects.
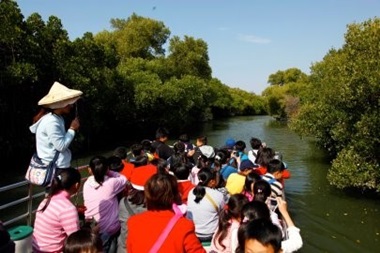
[{"x": 25, "y": 198}]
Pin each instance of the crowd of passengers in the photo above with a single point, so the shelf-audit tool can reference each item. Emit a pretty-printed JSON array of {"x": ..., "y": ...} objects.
[{"x": 178, "y": 198}]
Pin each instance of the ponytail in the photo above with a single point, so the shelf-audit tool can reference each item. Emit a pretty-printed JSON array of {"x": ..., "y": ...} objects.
[
  {"x": 43, "y": 111},
  {"x": 231, "y": 210},
  {"x": 99, "y": 168},
  {"x": 261, "y": 190},
  {"x": 204, "y": 176},
  {"x": 63, "y": 181}
]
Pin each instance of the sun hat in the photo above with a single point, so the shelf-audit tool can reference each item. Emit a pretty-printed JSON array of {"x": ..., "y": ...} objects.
[{"x": 60, "y": 96}]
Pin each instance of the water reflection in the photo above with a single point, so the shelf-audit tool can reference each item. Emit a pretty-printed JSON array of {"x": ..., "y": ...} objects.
[{"x": 330, "y": 220}]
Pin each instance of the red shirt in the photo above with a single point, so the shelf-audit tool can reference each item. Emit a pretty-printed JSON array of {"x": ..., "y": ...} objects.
[
  {"x": 145, "y": 228},
  {"x": 127, "y": 169},
  {"x": 184, "y": 186}
]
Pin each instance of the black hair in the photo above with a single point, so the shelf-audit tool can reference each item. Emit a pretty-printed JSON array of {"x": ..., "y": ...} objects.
[
  {"x": 140, "y": 160},
  {"x": 275, "y": 165},
  {"x": 99, "y": 167},
  {"x": 83, "y": 240},
  {"x": 264, "y": 155},
  {"x": 181, "y": 171},
  {"x": 254, "y": 210},
  {"x": 162, "y": 164},
  {"x": 184, "y": 138},
  {"x": 147, "y": 145},
  {"x": 179, "y": 147},
  {"x": 63, "y": 181},
  {"x": 115, "y": 163},
  {"x": 255, "y": 143},
  {"x": 162, "y": 132},
  {"x": 250, "y": 179},
  {"x": 262, "y": 230},
  {"x": 202, "y": 161},
  {"x": 221, "y": 157},
  {"x": 136, "y": 149},
  {"x": 240, "y": 146},
  {"x": 205, "y": 175},
  {"x": 261, "y": 190},
  {"x": 120, "y": 152},
  {"x": 232, "y": 210}
]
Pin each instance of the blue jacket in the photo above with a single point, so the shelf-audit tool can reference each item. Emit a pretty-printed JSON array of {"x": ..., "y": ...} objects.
[{"x": 51, "y": 135}]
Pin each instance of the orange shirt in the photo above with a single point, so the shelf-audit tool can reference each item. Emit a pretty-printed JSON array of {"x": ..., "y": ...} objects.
[{"x": 145, "y": 228}]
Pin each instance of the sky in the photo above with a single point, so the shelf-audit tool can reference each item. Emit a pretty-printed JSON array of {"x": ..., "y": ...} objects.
[{"x": 248, "y": 40}]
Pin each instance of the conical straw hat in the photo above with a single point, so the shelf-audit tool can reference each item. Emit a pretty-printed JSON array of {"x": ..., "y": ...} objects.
[{"x": 59, "y": 96}]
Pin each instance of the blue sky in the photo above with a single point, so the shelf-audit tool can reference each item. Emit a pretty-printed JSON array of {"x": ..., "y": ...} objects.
[{"x": 247, "y": 39}]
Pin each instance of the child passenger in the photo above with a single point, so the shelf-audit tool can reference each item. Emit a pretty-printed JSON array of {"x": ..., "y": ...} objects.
[
  {"x": 57, "y": 217},
  {"x": 204, "y": 204},
  {"x": 259, "y": 236},
  {"x": 273, "y": 175},
  {"x": 83, "y": 241},
  {"x": 100, "y": 197},
  {"x": 229, "y": 221},
  {"x": 256, "y": 144},
  {"x": 235, "y": 182}
]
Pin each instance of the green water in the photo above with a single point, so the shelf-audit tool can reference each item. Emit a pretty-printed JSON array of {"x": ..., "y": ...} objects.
[{"x": 330, "y": 221}]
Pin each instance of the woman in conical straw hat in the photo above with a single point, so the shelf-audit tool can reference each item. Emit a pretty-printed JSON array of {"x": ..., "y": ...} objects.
[{"x": 49, "y": 125}]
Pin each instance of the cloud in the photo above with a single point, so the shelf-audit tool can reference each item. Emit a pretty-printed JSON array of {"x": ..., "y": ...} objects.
[{"x": 253, "y": 39}]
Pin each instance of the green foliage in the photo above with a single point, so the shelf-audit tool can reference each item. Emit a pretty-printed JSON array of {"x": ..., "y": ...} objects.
[
  {"x": 189, "y": 57},
  {"x": 245, "y": 103},
  {"x": 275, "y": 96},
  {"x": 284, "y": 96},
  {"x": 221, "y": 98},
  {"x": 127, "y": 80},
  {"x": 351, "y": 170},
  {"x": 291, "y": 75},
  {"x": 344, "y": 112},
  {"x": 139, "y": 37}
]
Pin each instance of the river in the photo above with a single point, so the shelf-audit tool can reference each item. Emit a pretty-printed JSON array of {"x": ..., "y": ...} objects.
[{"x": 330, "y": 220}]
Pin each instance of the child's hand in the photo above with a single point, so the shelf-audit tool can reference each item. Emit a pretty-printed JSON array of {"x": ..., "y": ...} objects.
[{"x": 282, "y": 205}]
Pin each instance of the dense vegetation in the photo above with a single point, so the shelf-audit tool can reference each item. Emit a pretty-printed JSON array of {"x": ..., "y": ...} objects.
[
  {"x": 339, "y": 104},
  {"x": 129, "y": 82}
]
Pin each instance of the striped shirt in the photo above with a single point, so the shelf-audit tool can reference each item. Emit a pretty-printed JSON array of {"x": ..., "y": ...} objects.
[
  {"x": 275, "y": 186},
  {"x": 53, "y": 225}
]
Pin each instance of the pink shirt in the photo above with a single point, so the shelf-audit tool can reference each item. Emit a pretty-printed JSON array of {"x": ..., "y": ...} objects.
[
  {"x": 230, "y": 241},
  {"x": 101, "y": 201},
  {"x": 52, "y": 226}
]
